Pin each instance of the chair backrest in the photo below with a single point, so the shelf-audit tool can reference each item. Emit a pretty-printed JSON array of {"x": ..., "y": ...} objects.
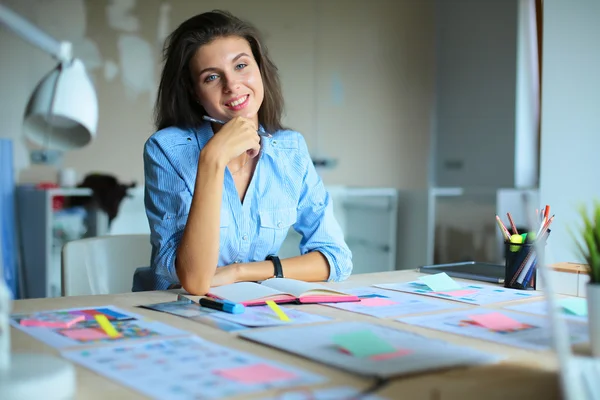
[{"x": 103, "y": 264}]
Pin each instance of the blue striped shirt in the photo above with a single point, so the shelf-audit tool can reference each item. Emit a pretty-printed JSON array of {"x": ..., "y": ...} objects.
[{"x": 284, "y": 192}]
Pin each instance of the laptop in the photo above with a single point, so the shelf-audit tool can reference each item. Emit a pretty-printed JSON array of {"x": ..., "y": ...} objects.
[
  {"x": 475, "y": 270},
  {"x": 579, "y": 376}
]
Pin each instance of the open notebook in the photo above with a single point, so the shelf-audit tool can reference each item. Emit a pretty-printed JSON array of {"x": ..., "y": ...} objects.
[{"x": 280, "y": 290}]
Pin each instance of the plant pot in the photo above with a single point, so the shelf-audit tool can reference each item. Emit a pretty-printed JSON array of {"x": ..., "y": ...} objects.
[{"x": 593, "y": 303}]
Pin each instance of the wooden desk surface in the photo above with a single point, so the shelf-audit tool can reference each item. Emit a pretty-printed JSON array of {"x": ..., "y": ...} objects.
[{"x": 524, "y": 374}]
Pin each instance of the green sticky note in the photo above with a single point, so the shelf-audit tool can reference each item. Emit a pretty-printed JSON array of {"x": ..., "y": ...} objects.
[
  {"x": 575, "y": 305},
  {"x": 362, "y": 343},
  {"x": 440, "y": 282}
]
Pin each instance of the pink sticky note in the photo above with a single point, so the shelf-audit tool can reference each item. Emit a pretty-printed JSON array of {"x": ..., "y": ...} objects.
[
  {"x": 495, "y": 321},
  {"x": 388, "y": 356},
  {"x": 460, "y": 293},
  {"x": 48, "y": 322},
  {"x": 255, "y": 374},
  {"x": 376, "y": 302},
  {"x": 85, "y": 334}
]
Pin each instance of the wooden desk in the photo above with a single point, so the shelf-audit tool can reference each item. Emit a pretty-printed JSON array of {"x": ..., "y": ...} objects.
[{"x": 523, "y": 375}]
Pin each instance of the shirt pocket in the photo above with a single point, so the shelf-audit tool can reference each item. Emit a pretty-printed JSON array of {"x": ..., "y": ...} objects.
[{"x": 274, "y": 227}]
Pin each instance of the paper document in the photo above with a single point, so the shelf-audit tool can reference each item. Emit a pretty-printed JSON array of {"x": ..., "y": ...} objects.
[
  {"x": 500, "y": 326},
  {"x": 579, "y": 312},
  {"x": 369, "y": 349},
  {"x": 256, "y": 316},
  {"x": 190, "y": 368},
  {"x": 467, "y": 293},
  {"x": 388, "y": 303},
  {"x": 88, "y": 331}
]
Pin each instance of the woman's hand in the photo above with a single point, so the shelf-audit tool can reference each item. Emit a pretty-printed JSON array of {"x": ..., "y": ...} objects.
[
  {"x": 225, "y": 275},
  {"x": 237, "y": 136}
]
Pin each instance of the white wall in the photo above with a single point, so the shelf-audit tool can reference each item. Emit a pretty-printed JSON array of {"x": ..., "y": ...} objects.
[
  {"x": 357, "y": 78},
  {"x": 570, "y": 143}
]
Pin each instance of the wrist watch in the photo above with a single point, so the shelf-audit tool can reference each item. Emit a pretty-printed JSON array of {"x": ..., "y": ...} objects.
[{"x": 277, "y": 265}]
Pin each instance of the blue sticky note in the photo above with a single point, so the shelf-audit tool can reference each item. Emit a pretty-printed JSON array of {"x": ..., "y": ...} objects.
[
  {"x": 440, "y": 282},
  {"x": 575, "y": 305}
]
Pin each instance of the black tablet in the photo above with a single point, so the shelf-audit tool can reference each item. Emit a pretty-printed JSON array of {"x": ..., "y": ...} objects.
[{"x": 479, "y": 271}]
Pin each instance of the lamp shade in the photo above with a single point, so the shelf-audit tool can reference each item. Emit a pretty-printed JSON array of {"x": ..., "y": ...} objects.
[{"x": 62, "y": 113}]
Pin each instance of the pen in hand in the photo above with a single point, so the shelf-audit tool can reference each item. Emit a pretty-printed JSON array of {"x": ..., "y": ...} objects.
[{"x": 216, "y": 121}]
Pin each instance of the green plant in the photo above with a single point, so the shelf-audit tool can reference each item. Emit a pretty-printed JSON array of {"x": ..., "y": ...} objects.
[{"x": 589, "y": 246}]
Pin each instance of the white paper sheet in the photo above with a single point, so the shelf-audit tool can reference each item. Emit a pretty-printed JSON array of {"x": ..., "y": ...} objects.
[
  {"x": 252, "y": 317},
  {"x": 382, "y": 303},
  {"x": 469, "y": 293},
  {"x": 257, "y": 316},
  {"x": 534, "y": 334},
  {"x": 189, "y": 368},
  {"x": 131, "y": 326},
  {"x": 541, "y": 308},
  {"x": 413, "y": 353}
]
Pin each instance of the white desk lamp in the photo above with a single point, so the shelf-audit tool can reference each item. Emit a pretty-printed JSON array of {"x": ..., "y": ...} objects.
[{"x": 62, "y": 114}]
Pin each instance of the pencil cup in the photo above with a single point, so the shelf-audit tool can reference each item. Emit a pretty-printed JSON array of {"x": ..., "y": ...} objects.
[{"x": 520, "y": 266}]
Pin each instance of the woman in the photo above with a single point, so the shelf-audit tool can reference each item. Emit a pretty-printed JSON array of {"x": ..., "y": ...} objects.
[{"x": 220, "y": 198}]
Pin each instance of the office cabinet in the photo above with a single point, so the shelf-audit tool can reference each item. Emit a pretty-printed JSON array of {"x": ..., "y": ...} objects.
[{"x": 45, "y": 223}]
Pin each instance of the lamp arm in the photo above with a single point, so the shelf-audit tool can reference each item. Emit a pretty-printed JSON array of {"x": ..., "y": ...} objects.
[{"x": 62, "y": 51}]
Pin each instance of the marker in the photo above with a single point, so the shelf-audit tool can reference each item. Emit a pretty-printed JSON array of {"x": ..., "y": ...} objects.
[
  {"x": 106, "y": 326},
  {"x": 516, "y": 239},
  {"x": 222, "y": 305},
  {"x": 277, "y": 310},
  {"x": 216, "y": 121}
]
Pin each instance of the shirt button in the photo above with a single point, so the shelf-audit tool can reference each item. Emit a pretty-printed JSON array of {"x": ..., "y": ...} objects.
[
  {"x": 274, "y": 142},
  {"x": 279, "y": 224},
  {"x": 245, "y": 237},
  {"x": 237, "y": 261}
]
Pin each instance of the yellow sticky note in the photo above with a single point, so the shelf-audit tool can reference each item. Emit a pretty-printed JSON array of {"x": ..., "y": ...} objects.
[
  {"x": 106, "y": 326},
  {"x": 277, "y": 310}
]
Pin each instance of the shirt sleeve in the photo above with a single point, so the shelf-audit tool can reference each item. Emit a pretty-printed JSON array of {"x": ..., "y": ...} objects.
[
  {"x": 167, "y": 201},
  {"x": 317, "y": 224}
]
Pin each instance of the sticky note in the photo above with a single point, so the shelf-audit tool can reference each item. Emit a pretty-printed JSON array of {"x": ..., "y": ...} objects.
[
  {"x": 52, "y": 320},
  {"x": 460, "y": 293},
  {"x": 389, "y": 356},
  {"x": 256, "y": 374},
  {"x": 362, "y": 343},
  {"x": 106, "y": 326},
  {"x": 495, "y": 321},
  {"x": 376, "y": 302},
  {"x": 84, "y": 334},
  {"x": 575, "y": 305},
  {"x": 440, "y": 282},
  {"x": 277, "y": 310}
]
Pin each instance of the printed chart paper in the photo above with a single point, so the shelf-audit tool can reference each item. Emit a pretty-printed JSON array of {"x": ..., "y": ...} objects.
[
  {"x": 529, "y": 332},
  {"x": 468, "y": 293},
  {"x": 258, "y": 316},
  {"x": 193, "y": 311},
  {"x": 189, "y": 368},
  {"x": 348, "y": 345},
  {"x": 387, "y": 303},
  {"x": 541, "y": 308},
  {"x": 334, "y": 393},
  {"x": 252, "y": 317},
  {"x": 88, "y": 332}
]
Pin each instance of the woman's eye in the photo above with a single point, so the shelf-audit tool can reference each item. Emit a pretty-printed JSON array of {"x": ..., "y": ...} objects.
[
  {"x": 210, "y": 78},
  {"x": 241, "y": 66}
]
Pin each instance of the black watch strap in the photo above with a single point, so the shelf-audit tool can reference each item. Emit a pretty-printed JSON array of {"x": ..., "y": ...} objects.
[{"x": 277, "y": 265}]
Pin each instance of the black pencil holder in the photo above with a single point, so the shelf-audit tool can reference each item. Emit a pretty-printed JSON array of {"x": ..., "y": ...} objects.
[{"x": 520, "y": 266}]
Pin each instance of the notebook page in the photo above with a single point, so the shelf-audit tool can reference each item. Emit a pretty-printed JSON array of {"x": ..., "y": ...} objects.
[
  {"x": 298, "y": 288},
  {"x": 243, "y": 291}
]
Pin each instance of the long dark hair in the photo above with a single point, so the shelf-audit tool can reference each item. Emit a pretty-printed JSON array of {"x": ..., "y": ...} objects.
[{"x": 176, "y": 103}]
